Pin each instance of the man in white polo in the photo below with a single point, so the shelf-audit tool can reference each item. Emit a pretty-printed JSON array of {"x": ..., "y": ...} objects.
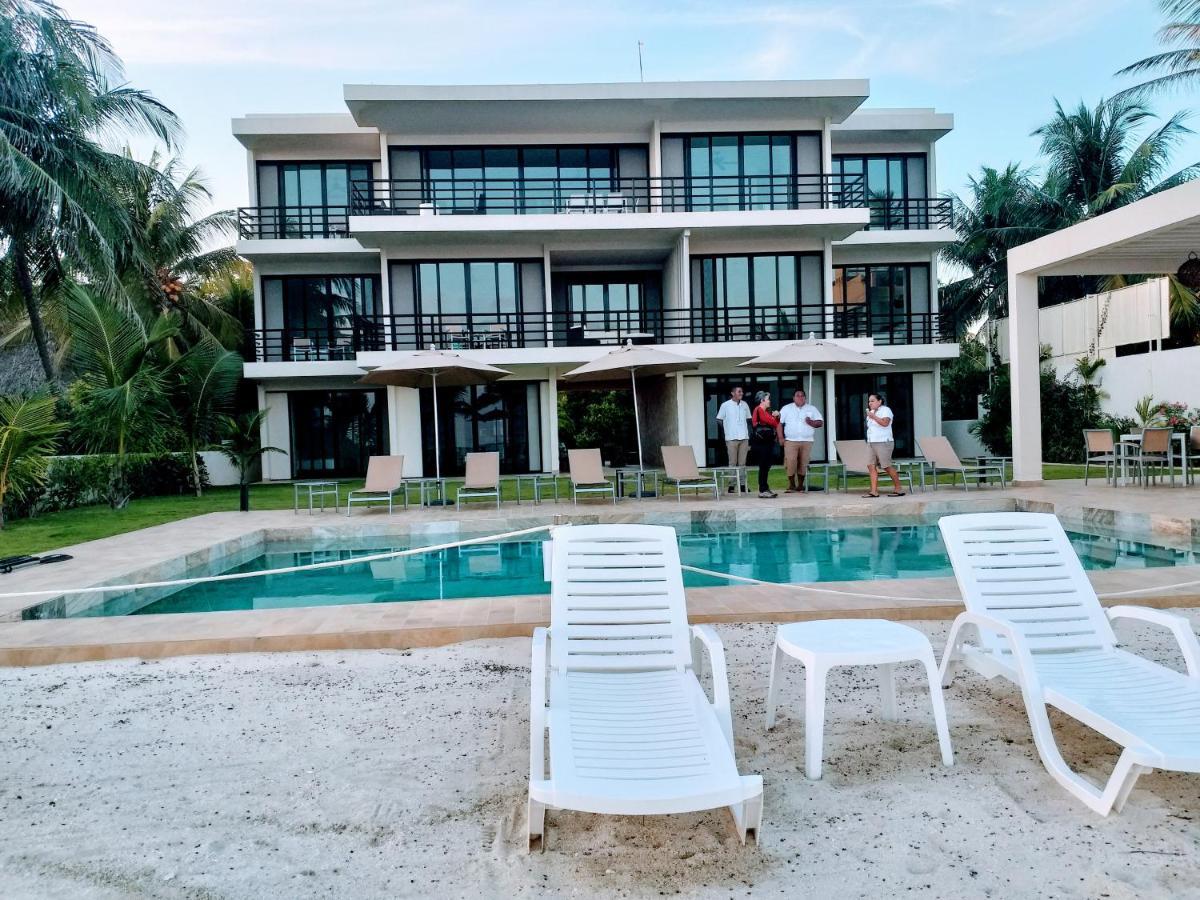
[
  {"x": 734, "y": 416},
  {"x": 800, "y": 421}
]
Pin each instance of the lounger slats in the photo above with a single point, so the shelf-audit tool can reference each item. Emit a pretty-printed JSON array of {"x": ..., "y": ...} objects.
[{"x": 577, "y": 616}]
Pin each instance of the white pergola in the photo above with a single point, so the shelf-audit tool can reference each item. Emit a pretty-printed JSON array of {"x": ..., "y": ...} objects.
[{"x": 1150, "y": 237}]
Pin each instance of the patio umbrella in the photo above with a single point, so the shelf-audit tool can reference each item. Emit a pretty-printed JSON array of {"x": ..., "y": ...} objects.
[
  {"x": 631, "y": 359},
  {"x": 430, "y": 368},
  {"x": 813, "y": 353}
]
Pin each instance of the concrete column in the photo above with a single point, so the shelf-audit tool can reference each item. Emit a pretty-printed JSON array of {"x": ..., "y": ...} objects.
[
  {"x": 830, "y": 412},
  {"x": 547, "y": 301},
  {"x": 252, "y": 177},
  {"x": 406, "y": 428},
  {"x": 1023, "y": 349},
  {"x": 826, "y": 289},
  {"x": 685, "y": 269},
  {"x": 937, "y": 397},
  {"x": 550, "y": 462}
]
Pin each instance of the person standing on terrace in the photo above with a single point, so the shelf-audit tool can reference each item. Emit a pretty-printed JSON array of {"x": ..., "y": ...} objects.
[
  {"x": 800, "y": 420},
  {"x": 880, "y": 444},
  {"x": 734, "y": 417},
  {"x": 766, "y": 437}
]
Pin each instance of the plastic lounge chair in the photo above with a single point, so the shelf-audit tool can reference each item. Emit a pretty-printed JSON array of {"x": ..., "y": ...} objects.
[
  {"x": 1041, "y": 626},
  {"x": 855, "y": 457},
  {"x": 1100, "y": 449},
  {"x": 482, "y": 479},
  {"x": 940, "y": 457},
  {"x": 682, "y": 472},
  {"x": 587, "y": 475},
  {"x": 631, "y": 731},
  {"x": 385, "y": 477}
]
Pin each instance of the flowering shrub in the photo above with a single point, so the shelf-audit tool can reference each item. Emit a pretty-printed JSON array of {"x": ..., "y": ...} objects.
[{"x": 1176, "y": 415}]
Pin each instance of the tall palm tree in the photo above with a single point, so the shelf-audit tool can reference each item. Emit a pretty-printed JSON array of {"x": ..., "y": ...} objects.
[
  {"x": 57, "y": 100},
  {"x": 1178, "y": 67},
  {"x": 206, "y": 380},
  {"x": 28, "y": 435},
  {"x": 1098, "y": 162},
  {"x": 173, "y": 251}
]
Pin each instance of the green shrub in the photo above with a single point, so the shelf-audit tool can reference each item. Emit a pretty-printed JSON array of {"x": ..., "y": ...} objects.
[{"x": 84, "y": 480}]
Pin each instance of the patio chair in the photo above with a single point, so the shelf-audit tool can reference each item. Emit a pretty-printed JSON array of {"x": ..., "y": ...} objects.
[
  {"x": 1191, "y": 455},
  {"x": 855, "y": 457},
  {"x": 385, "y": 477},
  {"x": 1041, "y": 626},
  {"x": 1100, "y": 448},
  {"x": 940, "y": 457},
  {"x": 615, "y": 682},
  {"x": 587, "y": 475},
  {"x": 1151, "y": 455},
  {"x": 482, "y": 479},
  {"x": 682, "y": 472}
]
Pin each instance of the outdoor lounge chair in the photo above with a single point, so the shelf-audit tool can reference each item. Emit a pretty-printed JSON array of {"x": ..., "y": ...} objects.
[
  {"x": 615, "y": 681},
  {"x": 385, "y": 477},
  {"x": 482, "y": 479},
  {"x": 682, "y": 472},
  {"x": 1151, "y": 455},
  {"x": 940, "y": 457},
  {"x": 1100, "y": 449},
  {"x": 587, "y": 475},
  {"x": 1041, "y": 626},
  {"x": 855, "y": 456}
]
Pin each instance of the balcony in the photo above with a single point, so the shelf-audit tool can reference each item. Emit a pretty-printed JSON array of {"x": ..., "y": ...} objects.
[
  {"x": 276, "y": 222},
  {"x": 910, "y": 213},
  {"x": 567, "y": 196},
  {"x": 504, "y": 331}
]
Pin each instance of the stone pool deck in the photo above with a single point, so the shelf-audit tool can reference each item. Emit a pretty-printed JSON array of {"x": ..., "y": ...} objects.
[{"x": 1166, "y": 515}]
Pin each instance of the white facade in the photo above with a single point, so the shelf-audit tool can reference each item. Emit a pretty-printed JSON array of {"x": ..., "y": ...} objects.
[{"x": 538, "y": 226}]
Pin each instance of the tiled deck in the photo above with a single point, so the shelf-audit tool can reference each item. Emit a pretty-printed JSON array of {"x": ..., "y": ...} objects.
[{"x": 167, "y": 551}]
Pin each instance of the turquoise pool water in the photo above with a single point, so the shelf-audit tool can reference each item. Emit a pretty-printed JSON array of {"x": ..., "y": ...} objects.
[{"x": 799, "y": 555}]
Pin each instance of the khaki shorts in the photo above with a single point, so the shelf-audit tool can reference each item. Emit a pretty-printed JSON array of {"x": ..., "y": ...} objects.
[
  {"x": 796, "y": 455},
  {"x": 737, "y": 451},
  {"x": 880, "y": 453}
]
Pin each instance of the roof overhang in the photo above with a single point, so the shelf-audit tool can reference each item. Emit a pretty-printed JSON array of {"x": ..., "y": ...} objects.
[
  {"x": 920, "y": 125},
  {"x": 318, "y": 133},
  {"x": 629, "y": 107},
  {"x": 1151, "y": 236}
]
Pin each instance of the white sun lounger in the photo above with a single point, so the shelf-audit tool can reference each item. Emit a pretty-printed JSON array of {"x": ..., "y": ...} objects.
[
  {"x": 1041, "y": 626},
  {"x": 631, "y": 731}
]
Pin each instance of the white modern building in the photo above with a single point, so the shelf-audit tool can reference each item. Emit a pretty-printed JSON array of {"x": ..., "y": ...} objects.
[{"x": 536, "y": 227}]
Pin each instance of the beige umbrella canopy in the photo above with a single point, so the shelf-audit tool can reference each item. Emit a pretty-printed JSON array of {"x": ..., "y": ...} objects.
[
  {"x": 631, "y": 359},
  {"x": 813, "y": 353},
  {"x": 430, "y": 368}
]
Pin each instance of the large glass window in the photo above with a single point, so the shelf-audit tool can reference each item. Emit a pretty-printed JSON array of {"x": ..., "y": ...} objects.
[
  {"x": 890, "y": 182},
  {"x": 318, "y": 316},
  {"x": 335, "y": 432},
  {"x": 503, "y": 417},
  {"x": 308, "y": 199},
  {"x": 761, "y": 297},
  {"x": 733, "y": 171},
  {"x": 891, "y": 303}
]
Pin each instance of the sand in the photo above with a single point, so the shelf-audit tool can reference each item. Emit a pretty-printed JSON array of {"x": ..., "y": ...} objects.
[{"x": 392, "y": 774}]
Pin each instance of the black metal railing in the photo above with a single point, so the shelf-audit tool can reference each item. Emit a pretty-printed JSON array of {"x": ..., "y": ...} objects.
[
  {"x": 505, "y": 330},
  {"x": 293, "y": 221},
  {"x": 534, "y": 196},
  {"x": 899, "y": 214}
]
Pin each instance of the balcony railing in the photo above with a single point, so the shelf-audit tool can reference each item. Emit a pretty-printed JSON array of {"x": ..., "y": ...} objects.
[
  {"x": 891, "y": 214},
  {"x": 496, "y": 331},
  {"x": 293, "y": 222},
  {"x": 542, "y": 196}
]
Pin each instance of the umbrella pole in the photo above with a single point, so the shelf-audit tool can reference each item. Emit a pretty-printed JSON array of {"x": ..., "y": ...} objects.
[
  {"x": 437, "y": 438},
  {"x": 637, "y": 422}
]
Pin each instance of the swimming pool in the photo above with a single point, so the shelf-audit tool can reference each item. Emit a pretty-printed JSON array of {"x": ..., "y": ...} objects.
[{"x": 799, "y": 555}]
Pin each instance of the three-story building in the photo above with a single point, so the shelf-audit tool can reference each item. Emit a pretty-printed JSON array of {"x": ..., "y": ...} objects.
[{"x": 539, "y": 226}]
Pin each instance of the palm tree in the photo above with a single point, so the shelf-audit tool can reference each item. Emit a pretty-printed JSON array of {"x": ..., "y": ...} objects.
[
  {"x": 1097, "y": 162},
  {"x": 28, "y": 434},
  {"x": 206, "y": 379},
  {"x": 1179, "y": 66},
  {"x": 121, "y": 395},
  {"x": 1005, "y": 208},
  {"x": 172, "y": 251},
  {"x": 242, "y": 446},
  {"x": 56, "y": 103}
]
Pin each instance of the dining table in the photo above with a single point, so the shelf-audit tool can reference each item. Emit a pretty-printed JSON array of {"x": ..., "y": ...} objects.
[{"x": 1130, "y": 442}]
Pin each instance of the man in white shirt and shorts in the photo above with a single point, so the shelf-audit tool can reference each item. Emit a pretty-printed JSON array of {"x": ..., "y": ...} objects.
[
  {"x": 734, "y": 416},
  {"x": 800, "y": 421},
  {"x": 880, "y": 444}
]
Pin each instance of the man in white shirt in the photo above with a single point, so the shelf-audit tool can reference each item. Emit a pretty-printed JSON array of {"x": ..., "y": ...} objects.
[
  {"x": 734, "y": 416},
  {"x": 800, "y": 421},
  {"x": 880, "y": 444}
]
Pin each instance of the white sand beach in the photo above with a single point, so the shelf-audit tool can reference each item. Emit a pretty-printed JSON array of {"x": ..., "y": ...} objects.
[{"x": 393, "y": 774}]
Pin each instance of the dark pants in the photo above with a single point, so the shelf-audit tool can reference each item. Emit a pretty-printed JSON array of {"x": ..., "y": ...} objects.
[{"x": 764, "y": 452}]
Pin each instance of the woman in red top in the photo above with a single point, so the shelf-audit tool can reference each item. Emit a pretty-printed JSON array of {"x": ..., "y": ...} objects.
[{"x": 766, "y": 439}]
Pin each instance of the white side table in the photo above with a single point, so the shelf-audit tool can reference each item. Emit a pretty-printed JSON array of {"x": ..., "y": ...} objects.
[{"x": 821, "y": 645}]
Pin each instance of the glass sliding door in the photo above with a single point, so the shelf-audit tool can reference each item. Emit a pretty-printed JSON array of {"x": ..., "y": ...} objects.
[
  {"x": 891, "y": 181},
  {"x": 891, "y": 303},
  {"x": 781, "y": 387},
  {"x": 851, "y": 392},
  {"x": 333, "y": 433},
  {"x": 319, "y": 316},
  {"x": 764, "y": 297},
  {"x": 309, "y": 199},
  {"x": 746, "y": 171},
  {"x": 504, "y": 418}
]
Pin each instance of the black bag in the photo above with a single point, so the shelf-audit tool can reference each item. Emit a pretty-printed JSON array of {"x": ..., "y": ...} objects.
[{"x": 764, "y": 434}]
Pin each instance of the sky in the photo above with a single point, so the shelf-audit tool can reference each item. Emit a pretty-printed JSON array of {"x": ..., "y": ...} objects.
[{"x": 997, "y": 66}]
